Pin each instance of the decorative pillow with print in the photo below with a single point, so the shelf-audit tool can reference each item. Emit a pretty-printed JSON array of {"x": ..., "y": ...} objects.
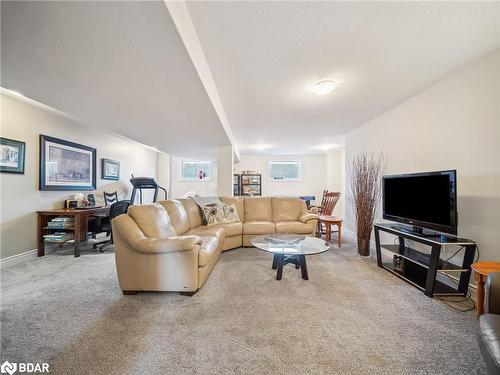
[
  {"x": 214, "y": 214},
  {"x": 230, "y": 213}
]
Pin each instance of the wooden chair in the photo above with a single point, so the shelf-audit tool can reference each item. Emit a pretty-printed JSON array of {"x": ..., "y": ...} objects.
[
  {"x": 329, "y": 202},
  {"x": 322, "y": 201},
  {"x": 326, "y": 218},
  {"x": 110, "y": 198}
]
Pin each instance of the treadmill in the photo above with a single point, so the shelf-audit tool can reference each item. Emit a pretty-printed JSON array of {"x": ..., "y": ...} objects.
[{"x": 145, "y": 183}]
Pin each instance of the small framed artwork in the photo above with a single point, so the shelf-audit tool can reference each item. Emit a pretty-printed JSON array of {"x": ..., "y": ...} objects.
[
  {"x": 66, "y": 165},
  {"x": 12, "y": 156},
  {"x": 110, "y": 169}
]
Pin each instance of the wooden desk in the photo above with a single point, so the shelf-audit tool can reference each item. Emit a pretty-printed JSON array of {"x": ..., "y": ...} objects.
[
  {"x": 80, "y": 230},
  {"x": 481, "y": 272}
]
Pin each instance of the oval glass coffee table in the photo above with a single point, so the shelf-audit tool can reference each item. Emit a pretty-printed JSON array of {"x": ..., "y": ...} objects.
[{"x": 290, "y": 248}]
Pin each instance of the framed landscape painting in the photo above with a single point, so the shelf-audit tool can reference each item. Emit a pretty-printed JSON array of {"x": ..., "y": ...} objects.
[
  {"x": 66, "y": 165},
  {"x": 12, "y": 156},
  {"x": 110, "y": 169}
]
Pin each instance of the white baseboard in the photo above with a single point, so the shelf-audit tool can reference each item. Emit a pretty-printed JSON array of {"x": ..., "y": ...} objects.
[
  {"x": 19, "y": 258},
  {"x": 351, "y": 234}
]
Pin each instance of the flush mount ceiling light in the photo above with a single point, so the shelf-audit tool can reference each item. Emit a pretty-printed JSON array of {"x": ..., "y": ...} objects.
[
  {"x": 327, "y": 147},
  {"x": 324, "y": 87},
  {"x": 261, "y": 146}
]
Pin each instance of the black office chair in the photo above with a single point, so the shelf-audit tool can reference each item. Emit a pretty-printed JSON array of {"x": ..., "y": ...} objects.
[
  {"x": 99, "y": 220},
  {"x": 116, "y": 209},
  {"x": 110, "y": 198}
]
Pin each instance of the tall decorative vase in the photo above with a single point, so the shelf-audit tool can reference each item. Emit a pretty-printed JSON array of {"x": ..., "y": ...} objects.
[
  {"x": 364, "y": 246},
  {"x": 365, "y": 179}
]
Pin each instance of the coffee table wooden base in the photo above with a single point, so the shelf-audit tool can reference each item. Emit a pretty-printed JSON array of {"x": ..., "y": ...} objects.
[{"x": 279, "y": 260}]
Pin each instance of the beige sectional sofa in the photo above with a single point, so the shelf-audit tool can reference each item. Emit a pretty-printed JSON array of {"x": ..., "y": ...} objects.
[{"x": 166, "y": 246}]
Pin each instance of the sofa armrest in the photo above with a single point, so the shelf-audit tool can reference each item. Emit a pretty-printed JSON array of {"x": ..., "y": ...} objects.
[
  {"x": 132, "y": 234},
  {"x": 304, "y": 218},
  {"x": 492, "y": 295},
  {"x": 314, "y": 210},
  {"x": 168, "y": 245}
]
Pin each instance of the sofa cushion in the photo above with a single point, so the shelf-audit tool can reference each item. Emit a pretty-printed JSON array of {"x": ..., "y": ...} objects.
[
  {"x": 258, "y": 227},
  {"x": 286, "y": 209},
  {"x": 204, "y": 230},
  {"x": 153, "y": 220},
  {"x": 178, "y": 215},
  {"x": 193, "y": 212},
  {"x": 230, "y": 213},
  {"x": 258, "y": 209},
  {"x": 239, "y": 203},
  {"x": 295, "y": 227},
  {"x": 208, "y": 249},
  {"x": 231, "y": 229},
  {"x": 214, "y": 214}
]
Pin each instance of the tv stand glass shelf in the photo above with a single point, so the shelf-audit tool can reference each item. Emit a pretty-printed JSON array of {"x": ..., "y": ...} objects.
[{"x": 426, "y": 271}]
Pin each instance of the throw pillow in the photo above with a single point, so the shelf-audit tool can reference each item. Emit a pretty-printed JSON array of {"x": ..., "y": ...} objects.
[
  {"x": 230, "y": 213},
  {"x": 214, "y": 214}
]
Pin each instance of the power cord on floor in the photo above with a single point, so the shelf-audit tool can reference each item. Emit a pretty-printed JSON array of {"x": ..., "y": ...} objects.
[
  {"x": 447, "y": 300},
  {"x": 462, "y": 299}
]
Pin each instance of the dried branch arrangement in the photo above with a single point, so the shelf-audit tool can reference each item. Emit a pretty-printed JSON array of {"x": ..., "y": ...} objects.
[{"x": 365, "y": 186}]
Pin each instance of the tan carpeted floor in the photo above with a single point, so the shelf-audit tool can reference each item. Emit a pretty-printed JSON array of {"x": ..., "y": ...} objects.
[{"x": 349, "y": 318}]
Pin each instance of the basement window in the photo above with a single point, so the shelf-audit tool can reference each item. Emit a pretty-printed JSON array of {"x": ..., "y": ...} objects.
[
  {"x": 284, "y": 170},
  {"x": 195, "y": 170}
]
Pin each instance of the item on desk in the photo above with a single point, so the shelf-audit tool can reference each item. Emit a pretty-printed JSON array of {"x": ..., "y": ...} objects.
[
  {"x": 71, "y": 203},
  {"x": 91, "y": 200},
  {"x": 61, "y": 222},
  {"x": 78, "y": 196},
  {"x": 58, "y": 237}
]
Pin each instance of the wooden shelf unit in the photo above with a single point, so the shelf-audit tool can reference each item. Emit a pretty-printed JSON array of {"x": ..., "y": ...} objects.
[{"x": 251, "y": 183}]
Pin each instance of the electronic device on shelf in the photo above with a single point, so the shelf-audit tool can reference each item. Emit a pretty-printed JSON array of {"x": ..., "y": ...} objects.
[{"x": 424, "y": 200}]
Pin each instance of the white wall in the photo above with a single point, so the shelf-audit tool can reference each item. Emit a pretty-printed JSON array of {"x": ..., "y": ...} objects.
[
  {"x": 202, "y": 188},
  {"x": 454, "y": 124},
  {"x": 335, "y": 178},
  {"x": 225, "y": 170},
  {"x": 20, "y": 197},
  {"x": 313, "y": 180}
]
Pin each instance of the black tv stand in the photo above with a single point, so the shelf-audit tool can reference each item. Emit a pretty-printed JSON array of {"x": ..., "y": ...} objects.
[{"x": 420, "y": 269}]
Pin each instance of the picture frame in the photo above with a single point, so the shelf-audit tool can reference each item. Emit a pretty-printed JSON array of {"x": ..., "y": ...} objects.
[
  {"x": 12, "y": 156},
  {"x": 110, "y": 169},
  {"x": 66, "y": 165}
]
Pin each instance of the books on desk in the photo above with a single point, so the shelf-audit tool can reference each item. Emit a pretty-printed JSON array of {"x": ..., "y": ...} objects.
[
  {"x": 62, "y": 223},
  {"x": 58, "y": 237}
]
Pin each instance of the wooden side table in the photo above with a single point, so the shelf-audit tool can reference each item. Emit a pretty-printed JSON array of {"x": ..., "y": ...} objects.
[
  {"x": 481, "y": 272},
  {"x": 329, "y": 221}
]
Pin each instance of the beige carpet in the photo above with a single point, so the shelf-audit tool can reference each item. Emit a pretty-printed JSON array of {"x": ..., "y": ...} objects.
[{"x": 349, "y": 318}]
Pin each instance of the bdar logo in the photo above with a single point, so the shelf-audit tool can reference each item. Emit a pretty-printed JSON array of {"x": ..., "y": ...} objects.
[{"x": 9, "y": 368}]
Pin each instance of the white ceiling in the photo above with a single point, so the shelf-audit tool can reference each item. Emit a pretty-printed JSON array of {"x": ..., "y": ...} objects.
[
  {"x": 264, "y": 55},
  {"x": 116, "y": 65},
  {"x": 123, "y": 66}
]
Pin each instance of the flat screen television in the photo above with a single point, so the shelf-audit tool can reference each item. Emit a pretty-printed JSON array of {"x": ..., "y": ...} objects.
[{"x": 424, "y": 200}]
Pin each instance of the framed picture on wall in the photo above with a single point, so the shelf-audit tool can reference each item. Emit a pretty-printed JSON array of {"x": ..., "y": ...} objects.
[
  {"x": 66, "y": 165},
  {"x": 110, "y": 169},
  {"x": 12, "y": 156}
]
